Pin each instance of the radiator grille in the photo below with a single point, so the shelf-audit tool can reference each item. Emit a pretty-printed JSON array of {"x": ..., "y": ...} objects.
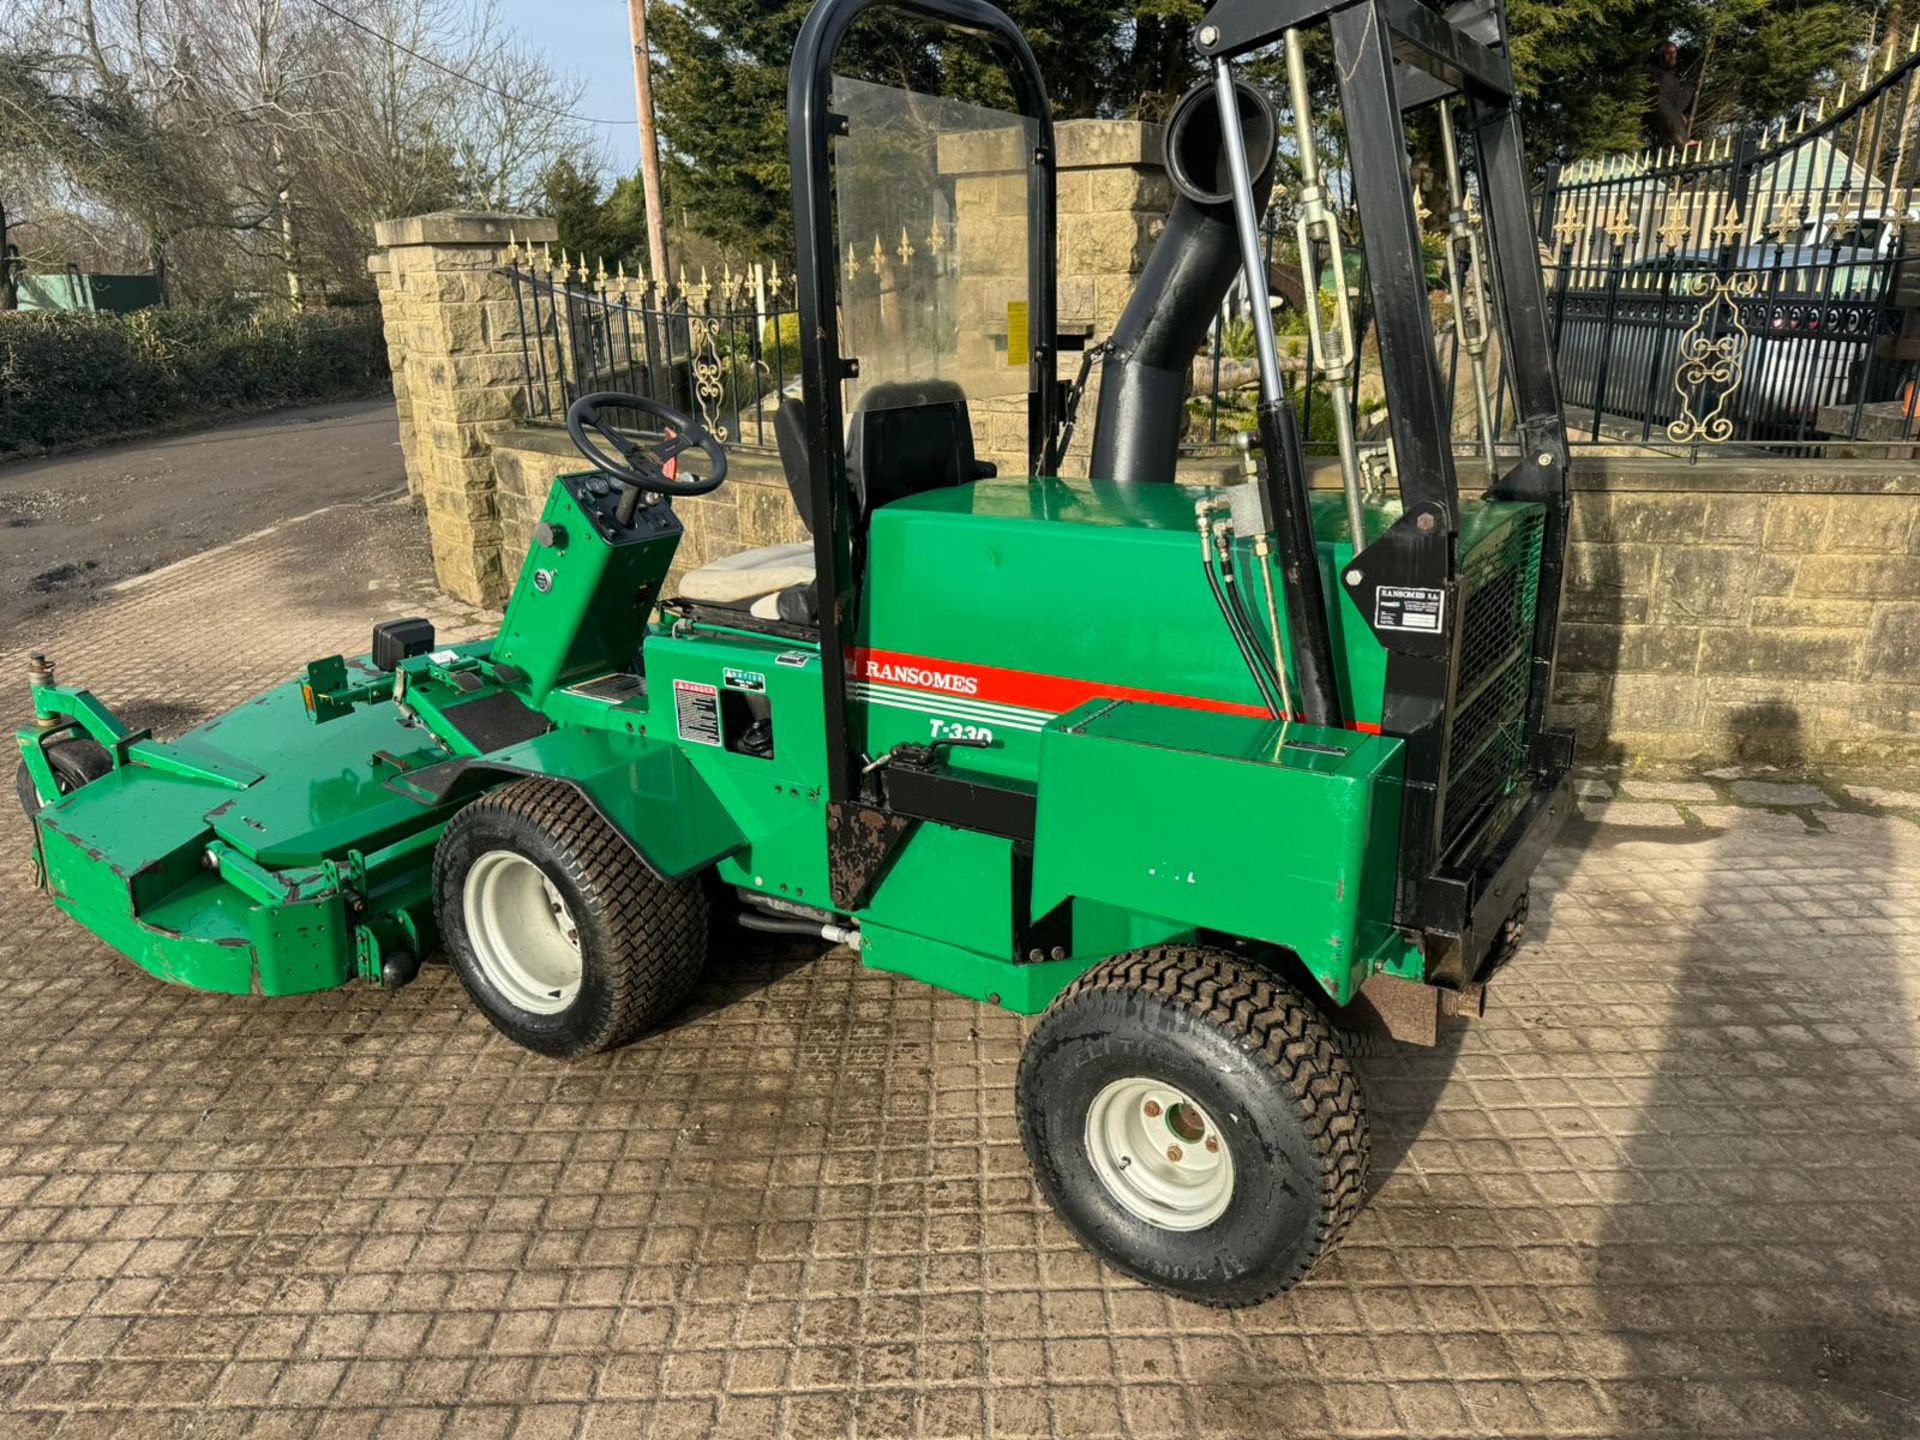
[{"x": 1486, "y": 759}]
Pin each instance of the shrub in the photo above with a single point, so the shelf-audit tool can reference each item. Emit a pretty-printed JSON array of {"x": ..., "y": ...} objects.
[{"x": 67, "y": 376}]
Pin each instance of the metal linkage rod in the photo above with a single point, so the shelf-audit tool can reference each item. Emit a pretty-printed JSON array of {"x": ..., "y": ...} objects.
[
  {"x": 1286, "y": 477},
  {"x": 1466, "y": 281},
  {"x": 1318, "y": 225}
]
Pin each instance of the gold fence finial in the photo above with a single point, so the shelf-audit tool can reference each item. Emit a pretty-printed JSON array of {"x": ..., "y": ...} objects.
[
  {"x": 879, "y": 257},
  {"x": 1676, "y": 227},
  {"x": 905, "y": 249},
  {"x": 1732, "y": 228},
  {"x": 1621, "y": 226},
  {"x": 513, "y": 248}
]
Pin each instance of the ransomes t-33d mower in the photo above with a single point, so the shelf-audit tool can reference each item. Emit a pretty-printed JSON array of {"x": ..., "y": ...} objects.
[{"x": 1212, "y": 779}]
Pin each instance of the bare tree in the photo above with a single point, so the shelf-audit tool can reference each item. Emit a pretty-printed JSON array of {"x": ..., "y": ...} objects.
[{"x": 266, "y": 136}]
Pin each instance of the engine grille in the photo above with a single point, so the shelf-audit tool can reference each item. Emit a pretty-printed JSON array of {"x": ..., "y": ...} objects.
[{"x": 1486, "y": 759}]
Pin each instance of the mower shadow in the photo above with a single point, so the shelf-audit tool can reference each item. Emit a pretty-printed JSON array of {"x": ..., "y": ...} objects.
[{"x": 1758, "y": 1223}]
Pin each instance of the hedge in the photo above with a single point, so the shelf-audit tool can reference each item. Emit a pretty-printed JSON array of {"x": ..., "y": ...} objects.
[{"x": 70, "y": 376}]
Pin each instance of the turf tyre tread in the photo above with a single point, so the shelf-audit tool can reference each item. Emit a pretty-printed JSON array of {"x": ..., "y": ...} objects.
[
  {"x": 647, "y": 935},
  {"x": 1268, "y": 1018}
]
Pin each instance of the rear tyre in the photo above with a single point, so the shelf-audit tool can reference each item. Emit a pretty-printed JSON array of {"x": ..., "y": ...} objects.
[
  {"x": 1513, "y": 932},
  {"x": 1194, "y": 1122},
  {"x": 74, "y": 763},
  {"x": 562, "y": 936}
]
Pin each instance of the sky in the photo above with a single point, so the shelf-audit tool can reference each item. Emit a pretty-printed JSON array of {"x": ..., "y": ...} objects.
[{"x": 588, "y": 39}]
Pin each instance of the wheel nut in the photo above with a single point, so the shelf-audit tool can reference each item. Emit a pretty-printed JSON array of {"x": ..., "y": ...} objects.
[
  {"x": 1174, "y": 1153},
  {"x": 1213, "y": 1142},
  {"x": 1152, "y": 1108}
]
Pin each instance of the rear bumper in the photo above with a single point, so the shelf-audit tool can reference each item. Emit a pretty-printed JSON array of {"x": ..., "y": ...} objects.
[{"x": 1464, "y": 906}]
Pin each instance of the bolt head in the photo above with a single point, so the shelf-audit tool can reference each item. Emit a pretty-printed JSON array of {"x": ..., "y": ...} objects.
[
  {"x": 1354, "y": 577},
  {"x": 1209, "y": 35},
  {"x": 1152, "y": 1107},
  {"x": 1174, "y": 1153},
  {"x": 1543, "y": 458},
  {"x": 1424, "y": 523},
  {"x": 1213, "y": 1143}
]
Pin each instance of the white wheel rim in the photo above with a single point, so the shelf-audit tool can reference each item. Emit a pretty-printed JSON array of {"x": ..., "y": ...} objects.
[
  {"x": 523, "y": 936},
  {"x": 1159, "y": 1154}
]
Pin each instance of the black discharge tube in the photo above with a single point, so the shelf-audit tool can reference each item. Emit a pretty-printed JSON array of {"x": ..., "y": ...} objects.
[{"x": 1149, "y": 359}]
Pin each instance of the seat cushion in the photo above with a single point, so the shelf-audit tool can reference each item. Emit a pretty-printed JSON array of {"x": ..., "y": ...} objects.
[{"x": 750, "y": 574}]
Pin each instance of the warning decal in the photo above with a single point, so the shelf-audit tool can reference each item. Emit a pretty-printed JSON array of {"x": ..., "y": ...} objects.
[
  {"x": 696, "y": 712},
  {"x": 1402, "y": 607}
]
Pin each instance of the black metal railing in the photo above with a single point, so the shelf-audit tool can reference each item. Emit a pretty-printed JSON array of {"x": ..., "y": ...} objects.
[
  {"x": 1761, "y": 290},
  {"x": 723, "y": 351}
]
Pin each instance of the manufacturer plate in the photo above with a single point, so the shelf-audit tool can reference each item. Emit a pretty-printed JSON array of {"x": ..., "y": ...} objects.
[{"x": 1406, "y": 607}]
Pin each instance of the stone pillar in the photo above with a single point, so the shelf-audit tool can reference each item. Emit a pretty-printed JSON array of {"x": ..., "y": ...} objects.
[
  {"x": 453, "y": 335},
  {"x": 1113, "y": 198}
]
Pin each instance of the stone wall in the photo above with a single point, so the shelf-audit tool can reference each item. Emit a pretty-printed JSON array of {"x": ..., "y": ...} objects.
[
  {"x": 1113, "y": 195},
  {"x": 1744, "y": 609},
  {"x": 453, "y": 336}
]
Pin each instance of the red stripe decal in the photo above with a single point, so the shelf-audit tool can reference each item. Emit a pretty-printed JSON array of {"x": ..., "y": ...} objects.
[{"x": 996, "y": 686}]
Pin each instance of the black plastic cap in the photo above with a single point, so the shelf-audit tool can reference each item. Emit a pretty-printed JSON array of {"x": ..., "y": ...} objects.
[{"x": 396, "y": 640}]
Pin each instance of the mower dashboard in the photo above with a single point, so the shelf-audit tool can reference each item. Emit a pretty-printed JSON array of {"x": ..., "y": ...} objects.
[{"x": 598, "y": 498}]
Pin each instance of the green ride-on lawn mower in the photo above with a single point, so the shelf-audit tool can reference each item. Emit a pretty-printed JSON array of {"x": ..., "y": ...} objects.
[{"x": 1214, "y": 779}]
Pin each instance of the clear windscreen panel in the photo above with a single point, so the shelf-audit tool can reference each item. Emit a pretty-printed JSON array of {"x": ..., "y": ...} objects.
[{"x": 931, "y": 202}]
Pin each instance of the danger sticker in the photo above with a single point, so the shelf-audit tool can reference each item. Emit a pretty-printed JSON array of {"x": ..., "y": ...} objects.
[
  {"x": 696, "y": 712},
  {"x": 1403, "y": 607}
]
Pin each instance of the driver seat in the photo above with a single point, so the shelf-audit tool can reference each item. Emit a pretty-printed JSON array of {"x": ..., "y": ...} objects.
[
  {"x": 904, "y": 438},
  {"x": 755, "y": 579}
]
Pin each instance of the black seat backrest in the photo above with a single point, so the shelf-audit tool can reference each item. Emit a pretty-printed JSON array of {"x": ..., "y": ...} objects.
[
  {"x": 790, "y": 434},
  {"x": 907, "y": 437}
]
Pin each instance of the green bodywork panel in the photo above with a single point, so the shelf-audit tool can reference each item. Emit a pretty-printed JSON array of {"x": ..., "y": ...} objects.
[
  {"x": 589, "y": 613},
  {"x": 1273, "y": 832},
  {"x": 288, "y": 845},
  {"x": 643, "y": 789}
]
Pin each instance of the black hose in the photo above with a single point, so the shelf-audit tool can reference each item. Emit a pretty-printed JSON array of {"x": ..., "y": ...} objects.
[
  {"x": 1249, "y": 652},
  {"x": 1249, "y": 622},
  {"x": 773, "y": 926}
]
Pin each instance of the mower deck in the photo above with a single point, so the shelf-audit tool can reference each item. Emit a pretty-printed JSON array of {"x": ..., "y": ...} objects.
[{"x": 282, "y": 806}]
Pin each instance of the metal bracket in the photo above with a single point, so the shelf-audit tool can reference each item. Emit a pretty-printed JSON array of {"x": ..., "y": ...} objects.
[
  {"x": 1402, "y": 580},
  {"x": 862, "y": 842}
]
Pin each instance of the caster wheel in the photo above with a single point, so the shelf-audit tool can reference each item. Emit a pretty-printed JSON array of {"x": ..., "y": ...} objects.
[
  {"x": 74, "y": 763},
  {"x": 1194, "y": 1122},
  {"x": 561, "y": 936}
]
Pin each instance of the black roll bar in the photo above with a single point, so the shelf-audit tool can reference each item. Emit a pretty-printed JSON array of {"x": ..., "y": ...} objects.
[{"x": 811, "y": 126}]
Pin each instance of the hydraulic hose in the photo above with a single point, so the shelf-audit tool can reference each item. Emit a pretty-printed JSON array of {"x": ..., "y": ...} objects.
[
  {"x": 1250, "y": 651},
  {"x": 1237, "y": 589}
]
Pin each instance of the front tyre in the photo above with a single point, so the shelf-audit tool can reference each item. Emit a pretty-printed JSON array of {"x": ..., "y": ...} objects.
[
  {"x": 1194, "y": 1122},
  {"x": 561, "y": 935}
]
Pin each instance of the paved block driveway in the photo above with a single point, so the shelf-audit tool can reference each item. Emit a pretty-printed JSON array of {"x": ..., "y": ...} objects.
[{"x": 1667, "y": 1187}]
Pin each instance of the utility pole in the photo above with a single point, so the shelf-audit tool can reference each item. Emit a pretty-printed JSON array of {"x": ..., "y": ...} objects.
[{"x": 649, "y": 143}]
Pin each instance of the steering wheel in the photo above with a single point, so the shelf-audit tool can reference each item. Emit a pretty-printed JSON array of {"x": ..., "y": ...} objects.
[{"x": 643, "y": 462}]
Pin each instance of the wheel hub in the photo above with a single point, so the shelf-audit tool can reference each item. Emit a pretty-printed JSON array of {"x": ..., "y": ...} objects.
[
  {"x": 523, "y": 935},
  {"x": 1159, "y": 1154}
]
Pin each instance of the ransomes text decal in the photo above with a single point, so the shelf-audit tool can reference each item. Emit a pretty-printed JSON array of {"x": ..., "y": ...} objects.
[{"x": 916, "y": 677}]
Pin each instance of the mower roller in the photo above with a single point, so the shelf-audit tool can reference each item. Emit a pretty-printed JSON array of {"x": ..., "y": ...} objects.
[{"x": 1213, "y": 779}]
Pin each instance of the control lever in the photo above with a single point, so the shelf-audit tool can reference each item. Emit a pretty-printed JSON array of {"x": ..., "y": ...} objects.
[{"x": 922, "y": 757}]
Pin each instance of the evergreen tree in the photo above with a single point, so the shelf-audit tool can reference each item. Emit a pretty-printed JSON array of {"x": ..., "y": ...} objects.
[{"x": 723, "y": 94}]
